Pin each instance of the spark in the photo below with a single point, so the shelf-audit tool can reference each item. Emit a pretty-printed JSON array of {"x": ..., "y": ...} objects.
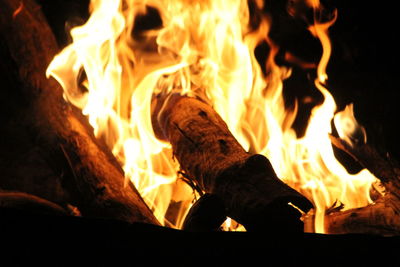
[{"x": 18, "y": 10}]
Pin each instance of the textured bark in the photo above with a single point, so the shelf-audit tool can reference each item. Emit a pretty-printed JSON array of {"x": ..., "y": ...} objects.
[
  {"x": 213, "y": 159},
  {"x": 207, "y": 214},
  {"x": 48, "y": 148},
  {"x": 381, "y": 217}
]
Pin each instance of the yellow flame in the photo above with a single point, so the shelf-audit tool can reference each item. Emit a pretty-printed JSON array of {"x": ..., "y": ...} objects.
[
  {"x": 204, "y": 49},
  {"x": 231, "y": 225},
  {"x": 348, "y": 128}
]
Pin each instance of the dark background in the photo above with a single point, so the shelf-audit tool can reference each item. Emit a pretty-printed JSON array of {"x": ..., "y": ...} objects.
[{"x": 362, "y": 69}]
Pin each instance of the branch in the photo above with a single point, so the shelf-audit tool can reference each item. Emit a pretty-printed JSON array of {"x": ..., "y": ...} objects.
[
  {"x": 381, "y": 217},
  {"x": 55, "y": 134},
  {"x": 210, "y": 156}
]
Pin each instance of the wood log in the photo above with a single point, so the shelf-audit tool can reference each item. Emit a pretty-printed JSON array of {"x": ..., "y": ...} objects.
[
  {"x": 207, "y": 214},
  {"x": 381, "y": 217},
  {"x": 385, "y": 169},
  {"x": 49, "y": 149},
  {"x": 213, "y": 159},
  {"x": 31, "y": 203}
]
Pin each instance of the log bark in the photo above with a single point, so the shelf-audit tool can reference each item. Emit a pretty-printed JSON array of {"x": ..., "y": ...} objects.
[
  {"x": 48, "y": 148},
  {"x": 26, "y": 202},
  {"x": 381, "y": 217},
  {"x": 207, "y": 214},
  {"x": 213, "y": 159}
]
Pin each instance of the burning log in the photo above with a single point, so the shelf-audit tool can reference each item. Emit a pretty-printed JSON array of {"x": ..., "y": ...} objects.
[
  {"x": 57, "y": 157},
  {"x": 381, "y": 217},
  {"x": 56, "y": 160},
  {"x": 213, "y": 159}
]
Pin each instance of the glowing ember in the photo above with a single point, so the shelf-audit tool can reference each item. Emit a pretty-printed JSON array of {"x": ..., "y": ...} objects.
[
  {"x": 18, "y": 10},
  {"x": 203, "y": 49}
]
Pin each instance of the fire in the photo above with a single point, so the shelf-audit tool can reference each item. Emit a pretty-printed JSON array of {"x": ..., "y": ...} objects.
[
  {"x": 18, "y": 10},
  {"x": 205, "y": 49}
]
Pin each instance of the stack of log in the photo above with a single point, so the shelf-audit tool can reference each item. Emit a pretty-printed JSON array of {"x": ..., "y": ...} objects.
[
  {"x": 382, "y": 217},
  {"x": 52, "y": 163}
]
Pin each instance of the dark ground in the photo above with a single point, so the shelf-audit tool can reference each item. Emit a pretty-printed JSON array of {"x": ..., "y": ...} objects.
[
  {"x": 71, "y": 241},
  {"x": 363, "y": 70}
]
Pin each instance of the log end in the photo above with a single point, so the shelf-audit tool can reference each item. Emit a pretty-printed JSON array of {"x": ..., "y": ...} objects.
[
  {"x": 207, "y": 214},
  {"x": 258, "y": 199}
]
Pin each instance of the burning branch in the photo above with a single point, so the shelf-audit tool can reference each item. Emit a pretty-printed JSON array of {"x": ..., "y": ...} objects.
[
  {"x": 246, "y": 183},
  {"x": 54, "y": 134},
  {"x": 381, "y": 217}
]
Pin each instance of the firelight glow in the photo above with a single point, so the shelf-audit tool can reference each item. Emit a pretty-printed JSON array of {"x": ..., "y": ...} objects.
[{"x": 203, "y": 49}]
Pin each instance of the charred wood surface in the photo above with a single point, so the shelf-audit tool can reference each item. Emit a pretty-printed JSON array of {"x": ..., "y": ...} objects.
[
  {"x": 381, "y": 217},
  {"x": 47, "y": 147},
  {"x": 384, "y": 168},
  {"x": 213, "y": 159},
  {"x": 207, "y": 214},
  {"x": 24, "y": 201}
]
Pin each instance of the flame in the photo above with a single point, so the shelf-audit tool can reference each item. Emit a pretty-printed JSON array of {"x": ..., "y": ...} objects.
[
  {"x": 204, "y": 49},
  {"x": 18, "y": 10},
  {"x": 348, "y": 128}
]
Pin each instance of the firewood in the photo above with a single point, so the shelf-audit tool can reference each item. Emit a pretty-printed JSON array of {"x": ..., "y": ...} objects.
[
  {"x": 381, "y": 217},
  {"x": 214, "y": 160},
  {"x": 385, "y": 169},
  {"x": 206, "y": 214},
  {"x": 56, "y": 135},
  {"x": 31, "y": 203}
]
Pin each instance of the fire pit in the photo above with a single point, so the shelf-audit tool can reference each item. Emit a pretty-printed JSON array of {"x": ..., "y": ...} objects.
[{"x": 203, "y": 116}]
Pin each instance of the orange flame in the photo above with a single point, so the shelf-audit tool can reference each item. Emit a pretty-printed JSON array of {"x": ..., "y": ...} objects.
[
  {"x": 203, "y": 49},
  {"x": 18, "y": 10}
]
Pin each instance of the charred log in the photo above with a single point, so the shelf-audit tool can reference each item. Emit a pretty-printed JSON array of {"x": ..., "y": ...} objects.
[
  {"x": 207, "y": 214},
  {"x": 381, "y": 217},
  {"x": 213, "y": 159},
  {"x": 48, "y": 148}
]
